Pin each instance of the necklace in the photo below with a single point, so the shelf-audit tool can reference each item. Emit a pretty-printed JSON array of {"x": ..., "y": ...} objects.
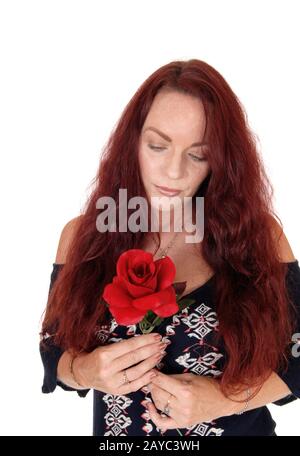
[{"x": 163, "y": 252}]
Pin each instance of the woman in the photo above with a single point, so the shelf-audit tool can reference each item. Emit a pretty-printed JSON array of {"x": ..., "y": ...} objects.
[{"x": 234, "y": 349}]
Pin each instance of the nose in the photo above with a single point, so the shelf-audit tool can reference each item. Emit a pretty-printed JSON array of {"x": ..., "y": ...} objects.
[{"x": 175, "y": 166}]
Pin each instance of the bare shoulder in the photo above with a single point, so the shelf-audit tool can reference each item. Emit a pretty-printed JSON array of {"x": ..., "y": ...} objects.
[
  {"x": 65, "y": 239},
  {"x": 284, "y": 249}
]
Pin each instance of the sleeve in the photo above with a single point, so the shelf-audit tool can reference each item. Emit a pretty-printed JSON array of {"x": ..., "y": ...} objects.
[
  {"x": 50, "y": 357},
  {"x": 291, "y": 376}
]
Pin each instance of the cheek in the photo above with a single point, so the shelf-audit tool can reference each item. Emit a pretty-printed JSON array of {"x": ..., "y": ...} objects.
[
  {"x": 147, "y": 163},
  {"x": 198, "y": 176},
  {"x": 142, "y": 162}
]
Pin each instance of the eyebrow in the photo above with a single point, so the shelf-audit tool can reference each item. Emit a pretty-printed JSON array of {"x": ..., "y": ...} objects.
[{"x": 164, "y": 136}]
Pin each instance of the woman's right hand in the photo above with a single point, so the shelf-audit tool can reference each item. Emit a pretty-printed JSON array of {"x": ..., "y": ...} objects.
[{"x": 103, "y": 368}]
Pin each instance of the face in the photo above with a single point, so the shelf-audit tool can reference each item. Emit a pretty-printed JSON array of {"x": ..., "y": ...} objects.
[{"x": 171, "y": 149}]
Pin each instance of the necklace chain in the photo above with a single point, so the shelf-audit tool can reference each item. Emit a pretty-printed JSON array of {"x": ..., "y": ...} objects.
[{"x": 164, "y": 251}]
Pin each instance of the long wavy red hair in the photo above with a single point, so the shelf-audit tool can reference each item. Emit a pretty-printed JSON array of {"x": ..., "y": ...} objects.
[{"x": 252, "y": 303}]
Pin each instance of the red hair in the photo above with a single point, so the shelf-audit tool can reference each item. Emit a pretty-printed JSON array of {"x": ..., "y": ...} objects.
[{"x": 252, "y": 303}]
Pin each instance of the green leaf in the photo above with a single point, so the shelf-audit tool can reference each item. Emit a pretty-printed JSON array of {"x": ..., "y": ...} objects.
[
  {"x": 183, "y": 303},
  {"x": 150, "y": 314},
  {"x": 145, "y": 329},
  {"x": 151, "y": 320},
  {"x": 146, "y": 324}
]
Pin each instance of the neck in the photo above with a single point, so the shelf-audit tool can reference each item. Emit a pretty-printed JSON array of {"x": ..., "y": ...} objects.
[{"x": 171, "y": 222}]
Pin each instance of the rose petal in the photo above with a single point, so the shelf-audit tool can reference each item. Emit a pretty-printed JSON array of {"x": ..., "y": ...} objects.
[
  {"x": 130, "y": 259},
  {"x": 126, "y": 266},
  {"x": 166, "y": 311},
  {"x": 135, "y": 291},
  {"x": 140, "y": 256},
  {"x": 140, "y": 274},
  {"x": 154, "y": 301},
  {"x": 115, "y": 295},
  {"x": 126, "y": 317},
  {"x": 166, "y": 273},
  {"x": 151, "y": 283}
]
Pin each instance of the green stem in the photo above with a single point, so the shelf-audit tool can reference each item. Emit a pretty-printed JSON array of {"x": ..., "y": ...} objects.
[{"x": 155, "y": 320}]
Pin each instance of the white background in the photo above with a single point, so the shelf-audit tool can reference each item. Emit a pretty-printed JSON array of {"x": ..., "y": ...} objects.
[{"x": 67, "y": 70}]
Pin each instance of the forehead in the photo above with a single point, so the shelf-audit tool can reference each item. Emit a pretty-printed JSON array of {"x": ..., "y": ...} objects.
[{"x": 179, "y": 116}]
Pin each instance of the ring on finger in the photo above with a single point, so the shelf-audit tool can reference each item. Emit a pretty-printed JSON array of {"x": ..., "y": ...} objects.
[
  {"x": 166, "y": 410},
  {"x": 125, "y": 378}
]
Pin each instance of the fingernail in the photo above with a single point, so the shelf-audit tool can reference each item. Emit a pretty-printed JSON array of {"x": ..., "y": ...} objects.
[{"x": 161, "y": 345}]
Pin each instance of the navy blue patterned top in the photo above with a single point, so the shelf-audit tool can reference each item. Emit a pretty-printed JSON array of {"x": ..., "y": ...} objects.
[{"x": 190, "y": 335}]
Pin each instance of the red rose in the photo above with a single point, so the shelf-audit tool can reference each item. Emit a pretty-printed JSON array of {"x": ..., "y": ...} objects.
[{"x": 141, "y": 285}]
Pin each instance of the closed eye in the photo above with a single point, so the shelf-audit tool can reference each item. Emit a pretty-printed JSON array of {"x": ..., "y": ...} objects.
[
  {"x": 156, "y": 147},
  {"x": 194, "y": 157}
]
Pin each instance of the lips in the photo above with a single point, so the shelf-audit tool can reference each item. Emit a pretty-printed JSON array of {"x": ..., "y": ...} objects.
[
  {"x": 173, "y": 190},
  {"x": 168, "y": 191}
]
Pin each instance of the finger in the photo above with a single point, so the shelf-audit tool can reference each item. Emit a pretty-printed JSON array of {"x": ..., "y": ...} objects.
[
  {"x": 184, "y": 378},
  {"x": 160, "y": 399},
  {"x": 129, "y": 360},
  {"x": 136, "y": 384},
  {"x": 143, "y": 368},
  {"x": 162, "y": 422},
  {"x": 168, "y": 383},
  {"x": 126, "y": 346}
]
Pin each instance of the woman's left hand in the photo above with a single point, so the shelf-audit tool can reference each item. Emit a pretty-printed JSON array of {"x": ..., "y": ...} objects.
[{"x": 193, "y": 399}]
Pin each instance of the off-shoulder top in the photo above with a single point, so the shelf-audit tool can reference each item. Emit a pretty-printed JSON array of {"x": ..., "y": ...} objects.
[{"x": 191, "y": 349}]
